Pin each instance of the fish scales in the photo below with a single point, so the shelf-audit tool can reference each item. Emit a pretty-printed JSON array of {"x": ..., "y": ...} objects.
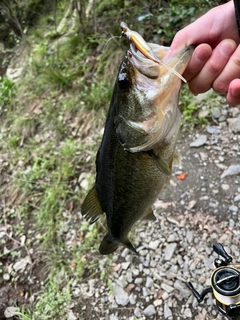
[{"x": 135, "y": 157}]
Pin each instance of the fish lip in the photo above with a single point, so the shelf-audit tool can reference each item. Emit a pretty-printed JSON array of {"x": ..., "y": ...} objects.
[
  {"x": 143, "y": 65},
  {"x": 151, "y": 69}
]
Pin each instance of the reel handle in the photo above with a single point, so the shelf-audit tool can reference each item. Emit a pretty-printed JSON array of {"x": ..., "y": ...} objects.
[
  {"x": 218, "y": 248},
  {"x": 197, "y": 295}
]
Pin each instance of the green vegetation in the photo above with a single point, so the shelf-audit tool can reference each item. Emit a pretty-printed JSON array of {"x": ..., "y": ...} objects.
[{"x": 50, "y": 123}]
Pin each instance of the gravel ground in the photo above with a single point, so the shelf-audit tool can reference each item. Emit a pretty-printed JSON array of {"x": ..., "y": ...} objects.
[{"x": 192, "y": 214}]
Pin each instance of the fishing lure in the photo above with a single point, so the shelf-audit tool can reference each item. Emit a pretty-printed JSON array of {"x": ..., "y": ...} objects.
[{"x": 141, "y": 45}]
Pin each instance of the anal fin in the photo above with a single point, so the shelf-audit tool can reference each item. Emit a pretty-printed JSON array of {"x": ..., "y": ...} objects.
[{"x": 91, "y": 208}]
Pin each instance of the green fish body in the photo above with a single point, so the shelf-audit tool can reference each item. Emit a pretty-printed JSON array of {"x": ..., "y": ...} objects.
[{"x": 135, "y": 157}]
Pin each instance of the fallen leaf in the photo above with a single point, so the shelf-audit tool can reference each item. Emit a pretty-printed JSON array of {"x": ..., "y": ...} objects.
[
  {"x": 163, "y": 205},
  {"x": 191, "y": 204},
  {"x": 181, "y": 176},
  {"x": 72, "y": 264},
  {"x": 130, "y": 287},
  {"x": 116, "y": 267}
]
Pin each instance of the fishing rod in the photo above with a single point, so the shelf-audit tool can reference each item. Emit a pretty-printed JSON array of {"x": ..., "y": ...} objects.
[
  {"x": 224, "y": 285},
  {"x": 237, "y": 13}
]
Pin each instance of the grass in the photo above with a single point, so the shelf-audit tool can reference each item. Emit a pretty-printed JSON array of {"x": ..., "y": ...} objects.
[
  {"x": 44, "y": 141},
  {"x": 190, "y": 108}
]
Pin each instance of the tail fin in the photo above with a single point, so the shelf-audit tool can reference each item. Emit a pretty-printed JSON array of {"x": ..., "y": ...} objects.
[{"x": 109, "y": 245}]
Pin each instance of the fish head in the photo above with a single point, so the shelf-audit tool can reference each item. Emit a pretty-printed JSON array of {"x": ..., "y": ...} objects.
[{"x": 147, "y": 97}]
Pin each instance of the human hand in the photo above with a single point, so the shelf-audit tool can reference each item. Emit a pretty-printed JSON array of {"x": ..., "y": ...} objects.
[{"x": 216, "y": 60}]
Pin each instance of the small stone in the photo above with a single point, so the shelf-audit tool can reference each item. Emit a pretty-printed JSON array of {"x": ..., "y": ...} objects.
[
  {"x": 149, "y": 311},
  {"x": 125, "y": 265},
  {"x": 157, "y": 302},
  {"x": 222, "y": 118},
  {"x": 213, "y": 130},
  {"x": 138, "y": 281},
  {"x": 231, "y": 223},
  {"x": 233, "y": 208},
  {"x": 234, "y": 111},
  {"x": 216, "y": 113},
  {"x": 113, "y": 317},
  {"x": 6, "y": 276},
  {"x": 237, "y": 198},
  {"x": 234, "y": 124},
  {"x": 167, "y": 311},
  {"x": 71, "y": 316},
  {"x": 169, "y": 250},
  {"x": 145, "y": 292},
  {"x": 165, "y": 295},
  {"x": 202, "y": 279},
  {"x": 21, "y": 264},
  {"x": 137, "y": 313},
  {"x": 132, "y": 299},
  {"x": 204, "y": 198},
  {"x": 171, "y": 238},
  {"x": 200, "y": 141},
  {"x": 207, "y": 262},
  {"x": 182, "y": 288},
  {"x": 2, "y": 234},
  {"x": 167, "y": 288},
  {"x": 149, "y": 282},
  {"x": 124, "y": 252},
  {"x": 10, "y": 312},
  {"x": 135, "y": 272},
  {"x": 225, "y": 187},
  {"x": 203, "y": 113},
  {"x": 188, "y": 313},
  {"x": 154, "y": 244},
  {"x": 232, "y": 170},
  {"x": 121, "y": 296}
]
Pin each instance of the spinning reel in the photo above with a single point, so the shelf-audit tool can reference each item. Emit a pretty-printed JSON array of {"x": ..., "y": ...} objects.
[{"x": 224, "y": 285}]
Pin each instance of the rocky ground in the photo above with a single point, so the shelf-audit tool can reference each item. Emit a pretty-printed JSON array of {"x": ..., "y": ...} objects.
[{"x": 200, "y": 206}]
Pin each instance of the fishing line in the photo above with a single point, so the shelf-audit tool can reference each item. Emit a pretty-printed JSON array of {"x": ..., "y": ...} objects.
[{"x": 118, "y": 37}]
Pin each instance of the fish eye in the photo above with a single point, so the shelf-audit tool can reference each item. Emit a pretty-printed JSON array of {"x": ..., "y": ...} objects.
[{"x": 123, "y": 81}]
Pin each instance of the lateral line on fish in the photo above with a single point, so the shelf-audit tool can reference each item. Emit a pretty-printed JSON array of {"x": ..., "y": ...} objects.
[{"x": 141, "y": 45}]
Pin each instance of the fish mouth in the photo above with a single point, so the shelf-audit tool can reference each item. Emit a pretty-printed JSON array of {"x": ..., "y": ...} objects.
[
  {"x": 153, "y": 70},
  {"x": 144, "y": 65}
]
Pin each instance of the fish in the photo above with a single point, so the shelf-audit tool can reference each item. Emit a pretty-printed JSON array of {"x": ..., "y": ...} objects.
[{"x": 137, "y": 151}]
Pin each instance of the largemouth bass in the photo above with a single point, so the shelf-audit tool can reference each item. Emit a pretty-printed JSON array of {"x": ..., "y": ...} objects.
[{"x": 138, "y": 146}]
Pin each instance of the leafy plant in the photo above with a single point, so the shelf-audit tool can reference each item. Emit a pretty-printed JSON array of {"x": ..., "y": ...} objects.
[{"x": 6, "y": 91}]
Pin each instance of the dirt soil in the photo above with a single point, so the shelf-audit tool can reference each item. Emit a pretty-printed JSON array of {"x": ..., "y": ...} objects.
[{"x": 195, "y": 190}]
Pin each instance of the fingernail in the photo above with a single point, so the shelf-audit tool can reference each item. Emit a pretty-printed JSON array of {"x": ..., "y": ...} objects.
[
  {"x": 235, "y": 93},
  {"x": 226, "y": 48}
]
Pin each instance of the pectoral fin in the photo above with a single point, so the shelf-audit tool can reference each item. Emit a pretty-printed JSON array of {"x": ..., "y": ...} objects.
[
  {"x": 150, "y": 216},
  {"x": 161, "y": 164},
  {"x": 177, "y": 159},
  {"x": 91, "y": 208}
]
